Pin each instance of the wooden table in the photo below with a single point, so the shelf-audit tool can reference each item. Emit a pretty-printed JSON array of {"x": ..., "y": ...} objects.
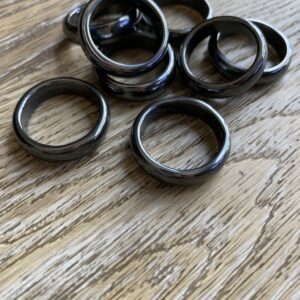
[{"x": 100, "y": 228}]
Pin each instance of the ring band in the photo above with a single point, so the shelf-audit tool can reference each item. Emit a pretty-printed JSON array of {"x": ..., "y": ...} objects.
[
  {"x": 48, "y": 89},
  {"x": 202, "y": 7},
  {"x": 188, "y": 106},
  {"x": 237, "y": 86},
  {"x": 103, "y": 31},
  {"x": 273, "y": 36},
  {"x": 143, "y": 90},
  {"x": 97, "y": 56}
]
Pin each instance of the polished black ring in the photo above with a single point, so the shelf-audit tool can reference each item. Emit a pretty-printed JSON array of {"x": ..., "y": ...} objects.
[
  {"x": 188, "y": 106},
  {"x": 274, "y": 37},
  {"x": 103, "y": 62},
  {"x": 202, "y": 7},
  {"x": 46, "y": 90},
  {"x": 125, "y": 22},
  {"x": 143, "y": 90},
  {"x": 225, "y": 25}
]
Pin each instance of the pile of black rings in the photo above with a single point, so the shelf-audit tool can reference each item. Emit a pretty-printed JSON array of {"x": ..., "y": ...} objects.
[{"x": 141, "y": 23}]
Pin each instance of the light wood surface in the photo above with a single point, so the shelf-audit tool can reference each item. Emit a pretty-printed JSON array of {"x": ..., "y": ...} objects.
[{"x": 100, "y": 228}]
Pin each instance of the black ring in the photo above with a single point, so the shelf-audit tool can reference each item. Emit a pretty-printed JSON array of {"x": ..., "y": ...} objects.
[
  {"x": 106, "y": 30},
  {"x": 138, "y": 91},
  {"x": 226, "y": 25},
  {"x": 188, "y": 106},
  {"x": 96, "y": 55},
  {"x": 46, "y": 90},
  {"x": 273, "y": 36},
  {"x": 203, "y": 7}
]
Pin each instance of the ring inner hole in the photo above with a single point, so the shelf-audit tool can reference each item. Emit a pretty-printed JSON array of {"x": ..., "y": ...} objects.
[
  {"x": 101, "y": 18},
  {"x": 238, "y": 49},
  {"x": 273, "y": 57},
  {"x": 181, "y": 17},
  {"x": 62, "y": 119},
  {"x": 131, "y": 55},
  {"x": 201, "y": 65},
  {"x": 107, "y": 15},
  {"x": 180, "y": 141},
  {"x": 131, "y": 49}
]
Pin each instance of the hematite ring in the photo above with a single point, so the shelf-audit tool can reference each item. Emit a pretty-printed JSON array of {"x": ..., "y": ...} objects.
[
  {"x": 202, "y": 7},
  {"x": 46, "y": 90},
  {"x": 188, "y": 106},
  {"x": 274, "y": 37},
  {"x": 100, "y": 60},
  {"x": 126, "y": 21},
  {"x": 227, "y": 25},
  {"x": 142, "y": 90}
]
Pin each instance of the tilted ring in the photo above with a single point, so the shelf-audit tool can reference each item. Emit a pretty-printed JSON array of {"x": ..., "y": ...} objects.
[
  {"x": 202, "y": 7},
  {"x": 227, "y": 25},
  {"x": 182, "y": 105},
  {"x": 142, "y": 90},
  {"x": 273, "y": 36},
  {"x": 125, "y": 22},
  {"x": 103, "y": 62},
  {"x": 48, "y": 89}
]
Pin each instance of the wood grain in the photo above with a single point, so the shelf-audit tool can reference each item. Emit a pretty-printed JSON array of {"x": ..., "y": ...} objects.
[{"x": 101, "y": 228}]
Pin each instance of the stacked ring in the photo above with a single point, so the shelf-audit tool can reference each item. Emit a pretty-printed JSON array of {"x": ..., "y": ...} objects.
[
  {"x": 97, "y": 56},
  {"x": 188, "y": 106},
  {"x": 227, "y": 25},
  {"x": 48, "y": 89},
  {"x": 138, "y": 91},
  {"x": 125, "y": 22},
  {"x": 273, "y": 36}
]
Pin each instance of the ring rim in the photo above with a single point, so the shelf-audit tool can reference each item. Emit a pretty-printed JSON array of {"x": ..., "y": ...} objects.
[
  {"x": 69, "y": 151},
  {"x": 103, "y": 62},
  {"x": 171, "y": 175},
  {"x": 273, "y": 36},
  {"x": 236, "y": 86}
]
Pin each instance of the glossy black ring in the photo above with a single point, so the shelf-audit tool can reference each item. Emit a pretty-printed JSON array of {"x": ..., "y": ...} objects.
[
  {"x": 125, "y": 22},
  {"x": 226, "y": 25},
  {"x": 103, "y": 62},
  {"x": 46, "y": 90},
  {"x": 273, "y": 36},
  {"x": 202, "y": 7},
  {"x": 140, "y": 91},
  {"x": 182, "y": 105}
]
